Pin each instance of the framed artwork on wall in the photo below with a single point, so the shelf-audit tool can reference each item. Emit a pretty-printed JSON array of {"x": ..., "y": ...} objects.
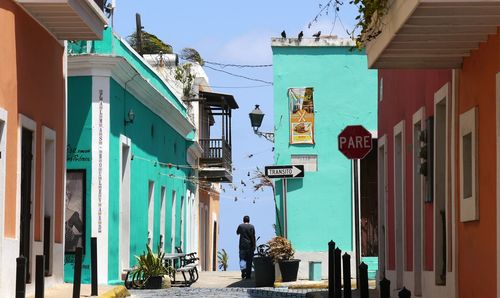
[{"x": 74, "y": 222}]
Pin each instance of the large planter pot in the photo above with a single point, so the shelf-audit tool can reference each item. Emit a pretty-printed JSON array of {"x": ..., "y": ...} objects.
[
  {"x": 154, "y": 282},
  {"x": 264, "y": 271},
  {"x": 289, "y": 269}
]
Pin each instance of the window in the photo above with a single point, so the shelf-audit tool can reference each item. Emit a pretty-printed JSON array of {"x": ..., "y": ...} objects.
[
  {"x": 310, "y": 162},
  {"x": 469, "y": 210},
  {"x": 151, "y": 204}
]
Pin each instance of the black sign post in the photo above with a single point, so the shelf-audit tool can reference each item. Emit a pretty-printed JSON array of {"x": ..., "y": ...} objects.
[{"x": 285, "y": 172}]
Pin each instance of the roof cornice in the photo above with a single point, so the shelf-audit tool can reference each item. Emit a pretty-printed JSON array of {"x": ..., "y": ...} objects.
[{"x": 124, "y": 74}]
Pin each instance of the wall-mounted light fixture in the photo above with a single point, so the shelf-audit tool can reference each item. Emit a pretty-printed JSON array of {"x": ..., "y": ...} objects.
[
  {"x": 130, "y": 117},
  {"x": 256, "y": 117}
]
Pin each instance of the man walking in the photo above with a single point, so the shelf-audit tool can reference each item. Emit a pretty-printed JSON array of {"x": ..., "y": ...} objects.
[{"x": 247, "y": 246}]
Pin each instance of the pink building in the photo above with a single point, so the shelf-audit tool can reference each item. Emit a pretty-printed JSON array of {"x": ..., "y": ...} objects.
[
  {"x": 439, "y": 85},
  {"x": 33, "y": 130}
]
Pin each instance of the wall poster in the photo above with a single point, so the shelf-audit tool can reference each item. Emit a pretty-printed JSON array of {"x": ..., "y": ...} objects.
[
  {"x": 301, "y": 107},
  {"x": 74, "y": 222}
]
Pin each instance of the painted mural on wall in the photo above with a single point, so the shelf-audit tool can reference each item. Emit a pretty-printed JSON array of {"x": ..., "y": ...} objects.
[
  {"x": 301, "y": 115},
  {"x": 75, "y": 210}
]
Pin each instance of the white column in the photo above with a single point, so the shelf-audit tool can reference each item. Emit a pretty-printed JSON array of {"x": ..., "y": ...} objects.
[{"x": 100, "y": 172}]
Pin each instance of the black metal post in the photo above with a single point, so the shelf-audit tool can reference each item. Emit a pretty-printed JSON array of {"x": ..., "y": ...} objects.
[
  {"x": 363, "y": 280},
  {"x": 356, "y": 221},
  {"x": 338, "y": 273},
  {"x": 21, "y": 277},
  {"x": 404, "y": 293},
  {"x": 77, "y": 274},
  {"x": 385, "y": 288},
  {"x": 331, "y": 269},
  {"x": 93, "y": 256},
  {"x": 346, "y": 265},
  {"x": 40, "y": 276}
]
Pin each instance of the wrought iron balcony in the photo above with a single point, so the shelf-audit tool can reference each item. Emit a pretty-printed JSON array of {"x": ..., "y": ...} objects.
[{"x": 216, "y": 160}]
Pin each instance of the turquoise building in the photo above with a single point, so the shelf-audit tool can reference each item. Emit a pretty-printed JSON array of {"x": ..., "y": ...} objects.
[
  {"x": 320, "y": 86},
  {"x": 127, "y": 159}
]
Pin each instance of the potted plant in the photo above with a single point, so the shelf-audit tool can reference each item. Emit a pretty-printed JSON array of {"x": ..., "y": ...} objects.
[
  {"x": 264, "y": 267},
  {"x": 150, "y": 269},
  {"x": 282, "y": 252}
]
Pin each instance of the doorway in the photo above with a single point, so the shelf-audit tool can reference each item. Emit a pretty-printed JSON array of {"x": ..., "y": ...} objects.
[
  {"x": 49, "y": 182},
  {"x": 382, "y": 205},
  {"x": 399, "y": 154},
  {"x": 125, "y": 205},
  {"x": 173, "y": 225},
  {"x": 151, "y": 209},
  {"x": 369, "y": 206},
  {"x": 418, "y": 198},
  {"x": 182, "y": 223},
  {"x": 26, "y": 201},
  {"x": 440, "y": 184},
  {"x": 163, "y": 211}
]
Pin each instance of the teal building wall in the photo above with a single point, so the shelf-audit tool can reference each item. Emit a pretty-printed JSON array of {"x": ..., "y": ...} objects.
[
  {"x": 345, "y": 93},
  {"x": 154, "y": 145}
]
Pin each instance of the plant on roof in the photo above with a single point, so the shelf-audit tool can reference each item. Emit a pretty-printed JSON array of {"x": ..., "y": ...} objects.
[
  {"x": 151, "y": 44},
  {"x": 184, "y": 75},
  {"x": 192, "y": 55},
  {"x": 369, "y": 20}
]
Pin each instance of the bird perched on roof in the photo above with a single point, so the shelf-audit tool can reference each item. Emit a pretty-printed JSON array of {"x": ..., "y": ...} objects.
[
  {"x": 301, "y": 34},
  {"x": 283, "y": 34},
  {"x": 317, "y": 35}
]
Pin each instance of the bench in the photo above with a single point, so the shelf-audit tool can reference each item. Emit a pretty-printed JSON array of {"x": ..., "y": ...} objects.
[{"x": 188, "y": 264}]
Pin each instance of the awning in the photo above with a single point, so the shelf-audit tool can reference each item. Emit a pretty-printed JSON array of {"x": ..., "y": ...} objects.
[
  {"x": 219, "y": 99},
  {"x": 432, "y": 33},
  {"x": 68, "y": 19}
]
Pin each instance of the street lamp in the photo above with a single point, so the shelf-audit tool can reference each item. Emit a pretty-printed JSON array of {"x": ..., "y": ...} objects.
[
  {"x": 130, "y": 116},
  {"x": 256, "y": 117}
]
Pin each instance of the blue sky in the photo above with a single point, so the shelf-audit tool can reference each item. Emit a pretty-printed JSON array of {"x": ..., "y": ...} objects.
[{"x": 236, "y": 32}]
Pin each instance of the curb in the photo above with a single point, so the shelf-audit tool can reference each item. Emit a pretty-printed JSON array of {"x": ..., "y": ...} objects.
[
  {"x": 302, "y": 285},
  {"x": 116, "y": 292}
]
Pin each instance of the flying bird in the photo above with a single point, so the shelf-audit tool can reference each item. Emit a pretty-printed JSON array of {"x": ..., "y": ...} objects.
[
  {"x": 283, "y": 34},
  {"x": 317, "y": 35},
  {"x": 301, "y": 34}
]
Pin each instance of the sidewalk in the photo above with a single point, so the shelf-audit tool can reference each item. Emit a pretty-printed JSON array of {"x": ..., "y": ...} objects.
[
  {"x": 229, "y": 284},
  {"x": 214, "y": 284},
  {"x": 66, "y": 291}
]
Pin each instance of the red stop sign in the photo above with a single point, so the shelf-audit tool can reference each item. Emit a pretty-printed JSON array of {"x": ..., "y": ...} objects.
[{"x": 355, "y": 142}]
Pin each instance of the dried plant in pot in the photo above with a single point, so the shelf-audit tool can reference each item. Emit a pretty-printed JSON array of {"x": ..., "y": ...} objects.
[{"x": 282, "y": 252}]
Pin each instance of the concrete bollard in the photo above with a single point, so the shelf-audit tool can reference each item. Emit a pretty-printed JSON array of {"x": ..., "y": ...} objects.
[
  {"x": 77, "y": 274},
  {"x": 338, "y": 274},
  {"x": 21, "y": 277},
  {"x": 331, "y": 269},
  {"x": 93, "y": 255},
  {"x": 346, "y": 264},
  {"x": 40, "y": 276},
  {"x": 385, "y": 288},
  {"x": 363, "y": 280},
  {"x": 404, "y": 293}
]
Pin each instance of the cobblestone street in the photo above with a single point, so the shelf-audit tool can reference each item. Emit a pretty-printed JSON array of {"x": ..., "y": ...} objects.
[{"x": 222, "y": 292}]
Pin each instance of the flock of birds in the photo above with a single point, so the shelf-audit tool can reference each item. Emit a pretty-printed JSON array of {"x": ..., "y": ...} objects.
[{"x": 301, "y": 34}]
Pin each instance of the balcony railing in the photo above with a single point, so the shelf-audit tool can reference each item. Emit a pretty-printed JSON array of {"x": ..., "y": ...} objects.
[{"x": 216, "y": 153}]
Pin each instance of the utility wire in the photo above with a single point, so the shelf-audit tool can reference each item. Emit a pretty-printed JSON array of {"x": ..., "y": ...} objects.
[
  {"x": 222, "y": 65},
  {"x": 236, "y": 87},
  {"x": 239, "y": 76}
]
